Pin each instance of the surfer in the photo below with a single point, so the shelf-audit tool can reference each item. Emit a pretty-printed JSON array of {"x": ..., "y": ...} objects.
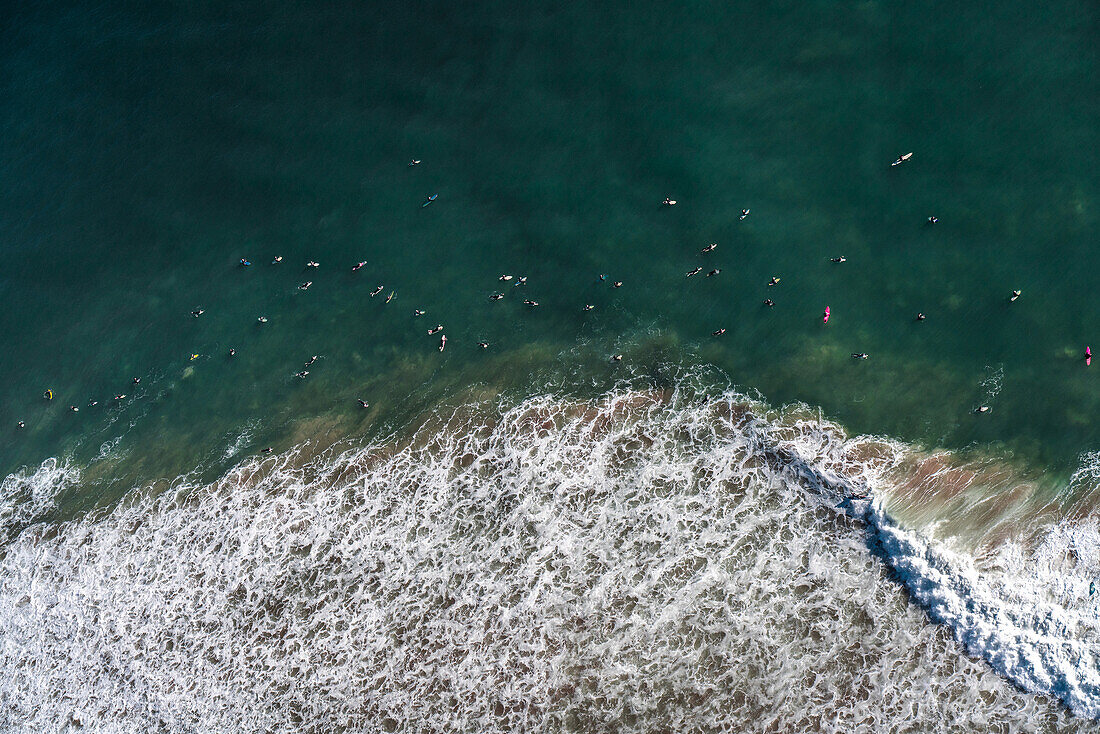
[
  {"x": 436, "y": 330},
  {"x": 496, "y": 296},
  {"x": 376, "y": 291},
  {"x": 693, "y": 272},
  {"x": 483, "y": 345},
  {"x": 713, "y": 272},
  {"x": 442, "y": 342},
  {"x": 528, "y": 302},
  {"x": 48, "y": 395},
  {"x": 769, "y": 302},
  {"x": 1088, "y": 356},
  {"x": 20, "y": 424},
  {"x": 982, "y": 409},
  {"x": 305, "y": 286},
  {"x": 719, "y": 332},
  {"x": 120, "y": 397},
  {"x": 301, "y": 375},
  {"x": 902, "y": 159},
  {"x": 616, "y": 358},
  {"x": 505, "y": 277},
  {"x": 521, "y": 280},
  {"x": 311, "y": 361},
  {"x": 74, "y": 409},
  {"x": 669, "y": 202},
  {"x": 136, "y": 380},
  {"x": 744, "y": 213},
  {"x": 1015, "y": 295},
  {"x": 920, "y": 317},
  {"x": 859, "y": 355},
  {"x": 313, "y": 264},
  {"x": 429, "y": 200},
  {"x": 358, "y": 265},
  {"x": 413, "y": 162},
  {"x": 774, "y": 280},
  {"x": 278, "y": 259},
  {"x": 363, "y": 403},
  {"x": 391, "y": 296},
  {"x": 198, "y": 312},
  {"x": 245, "y": 263},
  {"x": 418, "y": 312},
  {"x": 710, "y": 247},
  {"x": 933, "y": 220},
  {"x": 261, "y": 320},
  {"x": 617, "y": 284},
  {"x": 825, "y": 318},
  {"x": 232, "y": 352},
  {"x": 588, "y": 307},
  {"x": 840, "y": 259}
]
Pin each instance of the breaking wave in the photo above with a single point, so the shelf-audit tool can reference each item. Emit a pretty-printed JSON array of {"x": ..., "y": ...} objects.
[{"x": 645, "y": 562}]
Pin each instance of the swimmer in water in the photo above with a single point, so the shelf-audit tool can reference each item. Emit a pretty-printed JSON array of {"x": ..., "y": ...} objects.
[
  {"x": 616, "y": 358},
  {"x": 710, "y": 247},
  {"x": 840, "y": 259},
  {"x": 774, "y": 281},
  {"x": 311, "y": 361},
  {"x": 693, "y": 272},
  {"x": 376, "y": 291},
  {"x": 278, "y": 259},
  {"x": 261, "y": 320},
  {"x": 245, "y": 263},
  {"x": 588, "y": 307},
  {"x": 769, "y": 302},
  {"x": 418, "y": 312},
  {"x": 198, "y": 312},
  {"x": 363, "y": 403},
  {"x": 1015, "y": 295},
  {"x": 358, "y": 265},
  {"x": 713, "y": 272},
  {"x": 719, "y": 332},
  {"x": 496, "y": 296},
  {"x": 859, "y": 355},
  {"x": 483, "y": 345},
  {"x": 744, "y": 213},
  {"x": 305, "y": 286},
  {"x": 301, "y": 375},
  {"x": 669, "y": 202},
  {"x": 933, "y": 220},
  {"x": 442, "y": 342},
  {"x": 436, "y": 330},
  {"x": 530, "y": 303}
]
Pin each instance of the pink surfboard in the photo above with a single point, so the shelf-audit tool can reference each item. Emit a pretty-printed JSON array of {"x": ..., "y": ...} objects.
[
  {"x": 1088, "y": 356},
  {"x": 825, "y": 318}
]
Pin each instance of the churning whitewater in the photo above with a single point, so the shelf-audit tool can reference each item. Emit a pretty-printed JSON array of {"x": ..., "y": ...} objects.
[{"x": 645, "y": 562}]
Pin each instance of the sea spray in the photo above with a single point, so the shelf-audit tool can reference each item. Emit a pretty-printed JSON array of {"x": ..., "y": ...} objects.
[{"x": 644, "y": 562}]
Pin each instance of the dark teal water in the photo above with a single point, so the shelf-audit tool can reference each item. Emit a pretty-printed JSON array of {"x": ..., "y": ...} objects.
[{"x": 146, "y": 147}]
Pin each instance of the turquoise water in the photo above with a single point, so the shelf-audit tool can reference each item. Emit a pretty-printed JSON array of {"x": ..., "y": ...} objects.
[{"x": 146, "y": 148}]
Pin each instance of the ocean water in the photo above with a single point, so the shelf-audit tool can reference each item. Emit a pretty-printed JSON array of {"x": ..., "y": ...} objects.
[{"x": 745, "y": 532}]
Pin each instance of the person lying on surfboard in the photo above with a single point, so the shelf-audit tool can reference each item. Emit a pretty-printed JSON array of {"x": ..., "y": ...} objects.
[{"x": 902, "y": 159}]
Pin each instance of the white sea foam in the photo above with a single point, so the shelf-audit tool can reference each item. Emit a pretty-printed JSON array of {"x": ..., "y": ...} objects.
[
  {"x": 26, "y": 497},
  {"x": 641, "y": 564}
]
